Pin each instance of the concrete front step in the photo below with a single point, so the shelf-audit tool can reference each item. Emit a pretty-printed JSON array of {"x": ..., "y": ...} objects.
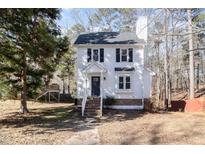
[
  {"x": 92, "y": 112},
  {"x": 93, "y": 101},
  {"x": 88, "y": 103},
  {"x": 92, "y": 108},
  {"x": 92, "y": 105}
]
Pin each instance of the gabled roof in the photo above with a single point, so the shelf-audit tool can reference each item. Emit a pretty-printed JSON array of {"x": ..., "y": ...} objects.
[
  {"x": 94, "y": 67},
  {"x": 108, "y": 38}
]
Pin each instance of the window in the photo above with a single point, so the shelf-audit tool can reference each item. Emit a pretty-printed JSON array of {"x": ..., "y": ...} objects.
[
  {"x": 121, "y": 82},
  {"x": 127, "y": 82},
  {"x": 95, "y": 55},
  {"x": 124, "y": 55},
  {"x": 124, "y": 82}
]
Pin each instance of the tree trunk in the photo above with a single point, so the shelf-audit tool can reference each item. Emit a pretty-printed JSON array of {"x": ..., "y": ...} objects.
[
  {"x": 158, "y": 75},
  {"x": 166, "y": 61},
  {"x": 68, "y": 83},
  {"x": 181, "y": 83},
  {"x": 63, "y": 86},
  {"x": 23, "y": 107},
  {"x": 178, "y": 66},
  {"x": 197, "y": 81},
  {"x": 191, "y": 56},
  {"x": 187, "y": 88},
  {"x": 177, "y": 82}
]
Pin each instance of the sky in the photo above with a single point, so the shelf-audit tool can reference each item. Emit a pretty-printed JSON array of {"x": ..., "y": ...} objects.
[{"x": 69, "y": 17}]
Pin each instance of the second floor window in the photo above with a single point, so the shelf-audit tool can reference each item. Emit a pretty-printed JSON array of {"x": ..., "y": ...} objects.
[
  {"x": 124, "y": 55},
  {"x": 94, "y": 55}
]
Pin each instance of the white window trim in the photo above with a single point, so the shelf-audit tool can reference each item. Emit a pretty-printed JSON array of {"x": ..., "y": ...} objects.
[
  {"x": 126, "y": 54},
  {"x": 117, "y": 83},
  {"x": 128, "y": 57},
  {"x": 92, "y": 54}
]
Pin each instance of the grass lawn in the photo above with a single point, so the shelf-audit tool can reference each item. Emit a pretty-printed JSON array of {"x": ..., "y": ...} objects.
[
  {"x": 55, "y": 123},
  {"x": 125, "y": 127},
  {"x": 45, "y": 124}
]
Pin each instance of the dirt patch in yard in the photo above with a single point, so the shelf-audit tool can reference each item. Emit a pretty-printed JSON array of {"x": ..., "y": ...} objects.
[
  {"x": 56, "y": 123},
  {"x": 131, "y": 127},
  {"x": 47, "y": 123}
]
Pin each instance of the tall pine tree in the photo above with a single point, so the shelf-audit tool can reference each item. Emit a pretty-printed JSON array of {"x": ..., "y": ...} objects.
[{"x": 30, "y": 44}]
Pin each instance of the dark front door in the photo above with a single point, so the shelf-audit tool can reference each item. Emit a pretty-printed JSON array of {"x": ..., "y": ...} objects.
[{"x": 95, "y": 86}]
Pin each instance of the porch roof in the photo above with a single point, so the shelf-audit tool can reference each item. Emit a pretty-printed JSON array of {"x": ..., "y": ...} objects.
[{"x": 94, "y": 67}]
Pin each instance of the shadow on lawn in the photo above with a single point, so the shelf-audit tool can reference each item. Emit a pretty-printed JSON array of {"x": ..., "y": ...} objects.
[
  {"x": 66, "y": 118},
  {"x": 121, "y": 115},
  {"x": 55, "y": 118},
  {"x": 156, "y": 133},
  {"x": 138, "y": 138},
  {"x": 146, "y": 133}
]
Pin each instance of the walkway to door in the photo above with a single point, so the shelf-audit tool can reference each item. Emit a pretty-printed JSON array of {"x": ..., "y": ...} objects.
[{"x": 84, "y": 136}]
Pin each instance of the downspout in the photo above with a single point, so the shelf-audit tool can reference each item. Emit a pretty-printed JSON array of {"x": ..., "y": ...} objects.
[
  {"x": 86, "y": 83},
  {"x": 143, "y": 80},
  {"x": 143, "y": 86},
  {"x": 84, "y": 96}
]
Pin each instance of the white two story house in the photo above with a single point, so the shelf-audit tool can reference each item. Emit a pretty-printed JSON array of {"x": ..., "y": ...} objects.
[{"x": 111, "y": 65}]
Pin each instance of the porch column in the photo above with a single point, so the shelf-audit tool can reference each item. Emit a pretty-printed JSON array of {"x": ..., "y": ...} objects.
[
  {"x": 86, "y": 83},
  {"x": 101, "y": 92},
  {"x": 142, "y": 79}
]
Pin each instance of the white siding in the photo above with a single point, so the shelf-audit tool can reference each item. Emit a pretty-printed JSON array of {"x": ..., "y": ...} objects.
[{"x": 110, "y": 83}]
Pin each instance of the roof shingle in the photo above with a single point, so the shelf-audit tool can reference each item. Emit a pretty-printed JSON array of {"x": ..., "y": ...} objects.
[{"x": 108, "y": 38}]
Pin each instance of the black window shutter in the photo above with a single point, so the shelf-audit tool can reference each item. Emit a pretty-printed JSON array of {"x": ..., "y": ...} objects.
[
  {"x": 130, "y": 54},
  {"x": 101, "y": 55},
  {"x": 118, "y": 55},
  {"x": 89, "y": 55}
]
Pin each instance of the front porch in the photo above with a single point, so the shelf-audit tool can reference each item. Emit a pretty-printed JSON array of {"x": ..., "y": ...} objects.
[
  {"x": 132, "y": 105},
  {"x": 94, "y": 75}
]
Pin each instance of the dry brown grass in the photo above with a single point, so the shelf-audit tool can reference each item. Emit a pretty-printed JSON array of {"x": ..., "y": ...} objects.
[
  {"x": 46, "y": 123},
  {"x": 55, "y": 123},
  {"x": 153, "y": 128}
]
